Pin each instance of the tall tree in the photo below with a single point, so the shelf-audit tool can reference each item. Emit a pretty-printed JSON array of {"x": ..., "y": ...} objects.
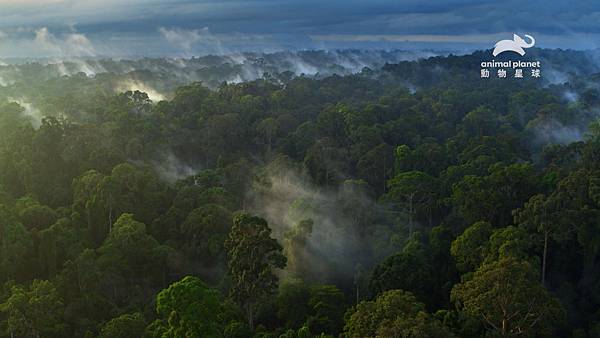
[
  {"x": 543, "y": 215},
  {"x": 253, "y": 257},
  {"x": 507, "y": 296},
  {"x": 416, "y": 192},
  {"x": 395, "y": 313},
  {"x": 188, "y": 308},
  {"x": 16, "y": 245},
  {"x": 327, "y": 310}
]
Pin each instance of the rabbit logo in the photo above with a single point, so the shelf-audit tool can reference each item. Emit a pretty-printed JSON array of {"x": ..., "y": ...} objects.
[{"x": 517, "y": 45}]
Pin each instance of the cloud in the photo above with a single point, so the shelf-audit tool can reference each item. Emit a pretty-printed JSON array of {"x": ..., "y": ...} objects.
[
  {"x": 41, "y": 42},
  {"x": 133, "y": 25},
  {"x": 185, "y": 39},
  {"x": 21, "y": 3},
  {"x": 581, "y": 40},
  {"x": 203, "y": 41},
  {"x": 70, "y": 45},
  {"x": 475, "y": 38},
  {"x": 29, "y": 2}
]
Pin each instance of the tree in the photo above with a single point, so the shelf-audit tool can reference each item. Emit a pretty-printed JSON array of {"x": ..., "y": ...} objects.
[
  {"x": 375, "y": 166},
  {"x": 409, "y": 270},
  {"x": 292, "y": 303},
  {"x": 204, "y": 231},
  {"x": 134, "y": 190},
  {"x": 296, "y": 249},
  {"x": 417, "y": 193},
  {"x": 579, "y": 212},
  {"x": 543, "y": 215},
  {"x": 267, "y": 129},
  {"x": 253, "y": 256},
  {"x": 327, "y": 310},
  {"x": 80, "y": 284},
  {"x": 128, "y": 189},
  {"x": 468, "y": 249},
  {"x": 510, "y": 241},
  {"x": 34, "y": 215},
  {"x": 507, "y": 296},
  {"x": 124, "y": 326},
  {"x": 58, "y": 243},
  {"x": 394, "y": 313},
  {"x": 428, "y": 157},
  {"x": 130, "y": 257},
  {"x": 49, "y": 175},
  {"x": 438, "y": 247},
  {"x": 189, "y": 308},
  {"x": 481, "y": 121},
  {"x": 34, "y": 311},
  {"x": 16, "y": 245},
  {"x": 326, "y": 162},
  {"x": 492, "y": 198},
  {"x": 89, "y": 199}
]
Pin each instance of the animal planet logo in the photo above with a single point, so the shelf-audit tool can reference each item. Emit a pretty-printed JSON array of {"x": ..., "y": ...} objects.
[{"x": 517, "y": 45}]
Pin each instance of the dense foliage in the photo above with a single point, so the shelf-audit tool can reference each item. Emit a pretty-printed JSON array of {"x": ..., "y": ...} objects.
[{"x": 296, "y": 206}]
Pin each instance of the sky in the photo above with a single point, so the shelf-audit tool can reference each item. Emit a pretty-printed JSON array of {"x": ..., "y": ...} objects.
[{"x": 127, "y": 28}]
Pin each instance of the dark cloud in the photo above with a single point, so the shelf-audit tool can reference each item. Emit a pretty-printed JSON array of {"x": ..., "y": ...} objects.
[{"x": 156, "y": 27}]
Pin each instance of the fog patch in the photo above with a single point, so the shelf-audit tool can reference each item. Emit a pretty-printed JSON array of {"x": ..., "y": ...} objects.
[
  {"x": 554, "y": 132},
  {"x": 171, "y": 169},
  {"x": 326, "y": 234},
  {"x": 187, "y": 39},
  {"x": 570, "y": 96},
  {"x": 133, "y": 85},
  {"x": 29, "y": 110}
]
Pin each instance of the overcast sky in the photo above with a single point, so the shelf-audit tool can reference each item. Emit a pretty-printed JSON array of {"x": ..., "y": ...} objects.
[{"x": 69, "y": 28}]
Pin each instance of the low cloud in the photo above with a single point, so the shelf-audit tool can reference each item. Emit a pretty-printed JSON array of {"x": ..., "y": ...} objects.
[
  {"x": 478, "y": 38},
  {"x": 42, "y": 42},
  {"x": 186, "y": 39},
  {"x": 133, "y": 85},
  {"x": 297, "y": 25},
  {"x": 29, "y": 2},
  {"x": 70, "y": 45},
  {"x": 554, "y": 132},
  {"x": 33, "y": 113}
]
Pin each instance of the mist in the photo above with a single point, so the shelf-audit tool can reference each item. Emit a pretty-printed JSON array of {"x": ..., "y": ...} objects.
[{"x": 327, "y": 234}]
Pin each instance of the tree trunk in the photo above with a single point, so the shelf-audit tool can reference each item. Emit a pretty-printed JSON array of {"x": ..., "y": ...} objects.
[
  {"x": 89, "y": 217},
  {"x": 545, "y": 257},
  {"x": 410, "y": 215},
  {"x": 384, "y": 171},
  {"x": 110, "y": 211},
  {"x": 430, "y": 217},
  {"x": 250, "y": 317}
]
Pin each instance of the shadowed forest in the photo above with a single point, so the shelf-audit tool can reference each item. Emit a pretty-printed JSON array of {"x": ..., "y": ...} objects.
[{"x": 380, "y": 196}]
